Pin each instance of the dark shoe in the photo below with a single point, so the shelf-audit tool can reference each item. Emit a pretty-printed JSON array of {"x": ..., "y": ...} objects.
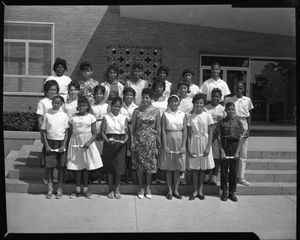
[
  {"x": 75, "y": 195},
  {"x": 213, "y": 183},
  {"x": 206, "y": 181},
  {"x": 224, "y": 196},
  {"x": 192, "y": 197},
  {"x": 201, "y": 197},
  {"x": 59, "y": 194},
  {"x": 232, "y": 197},
  {"x": 178, "y": 196},
  {"x": 87, "y": 195},
  {"x": 169, "y": 196}
]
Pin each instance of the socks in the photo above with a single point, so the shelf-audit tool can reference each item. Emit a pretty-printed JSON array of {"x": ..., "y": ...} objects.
[
  {"x": 78, "y": 189},
  {"x": 50, "y": 187},
  {"x": 85, "y": 189}
]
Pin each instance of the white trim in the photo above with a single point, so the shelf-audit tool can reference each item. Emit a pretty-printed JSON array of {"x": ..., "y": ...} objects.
[
  {"x": 26, "y": 58},
  {"x": 28, "y": 40},
  {"x": 33, "y": 23},
  {"x": 35, "y": 94},
  {"x": 25, "y": 76}
]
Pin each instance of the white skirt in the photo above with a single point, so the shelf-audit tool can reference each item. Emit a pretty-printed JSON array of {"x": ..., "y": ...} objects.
[
  {"x": 198, "y": 146},
  {"x": 81, "y": 158}
]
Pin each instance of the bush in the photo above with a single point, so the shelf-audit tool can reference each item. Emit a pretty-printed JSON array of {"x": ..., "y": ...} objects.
[{"x": 20, "y": 121}]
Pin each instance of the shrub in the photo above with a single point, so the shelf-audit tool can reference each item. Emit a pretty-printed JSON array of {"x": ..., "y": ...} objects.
[{"x": 20, "y": 121}]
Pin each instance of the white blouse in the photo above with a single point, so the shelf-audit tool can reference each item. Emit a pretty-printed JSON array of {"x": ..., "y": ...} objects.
[
  {"x": 115, "y": 124},
  {"x": 174, "y": 120}
]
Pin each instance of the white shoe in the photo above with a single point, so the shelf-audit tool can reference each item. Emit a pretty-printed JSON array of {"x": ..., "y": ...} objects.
[
  {"x": 149, "y": 196},
  {"x": 244, "y": 182}
]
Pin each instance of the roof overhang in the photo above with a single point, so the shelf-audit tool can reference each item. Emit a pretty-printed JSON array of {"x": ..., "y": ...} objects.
[{"x": 277, "y": 20}]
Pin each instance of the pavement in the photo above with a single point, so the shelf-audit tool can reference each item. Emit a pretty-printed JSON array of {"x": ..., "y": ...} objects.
[{"x": 267, "y": 216}]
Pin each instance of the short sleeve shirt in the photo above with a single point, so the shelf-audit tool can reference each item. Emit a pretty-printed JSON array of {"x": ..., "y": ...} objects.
[
  {"x": 194, "y": 89},
  {"x": 71, "y": 108},
  {"x": 63, "y": 82},
  {"x": 55, "y": 123},
  {"x": 174, "y": 120},
  {"x": 43, "y": 106},
  {"x": 210, "y": 84},
  {"x": 82, "y": 124},
  {"x": 128, "y": 110},
  {"x": 230, "y": 128},
  {"x": 217, "y": 112},
  {"x": 115, "y": 124}
]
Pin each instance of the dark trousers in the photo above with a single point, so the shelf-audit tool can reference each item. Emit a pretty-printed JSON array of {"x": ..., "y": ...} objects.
[
  {"x": 229, "y": 146},
  {"x": 231, "y": 164}
]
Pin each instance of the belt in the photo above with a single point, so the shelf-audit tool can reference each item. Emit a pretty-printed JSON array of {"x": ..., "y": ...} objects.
[{"x": 173, "y": 130}]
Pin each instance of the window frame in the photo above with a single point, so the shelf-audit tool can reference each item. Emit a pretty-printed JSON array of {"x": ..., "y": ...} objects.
[{"x": 27, "y": 42}]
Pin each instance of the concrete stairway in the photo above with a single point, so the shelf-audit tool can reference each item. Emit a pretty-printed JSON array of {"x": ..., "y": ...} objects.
[{"x": 269, "y": 173}]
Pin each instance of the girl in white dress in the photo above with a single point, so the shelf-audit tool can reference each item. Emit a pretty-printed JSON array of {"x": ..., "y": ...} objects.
[
  {"x": 83, "y": 154},
  {"x": 217, "y": 112},
  {"x": 174, "y": 145},
  {"x": 199, "y": 147},
  {"x": 99, "y": 109}
]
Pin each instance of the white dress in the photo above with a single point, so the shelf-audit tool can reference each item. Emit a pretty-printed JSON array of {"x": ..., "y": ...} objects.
[
  {"x": 81, "y": 158},
  {"x": 161, "y": 104},
  {"x": 174, "y": 127},
  {"x": 138, "y": 87},
  {"x": 71, "y": 108},
  {"x": 199, "y": 139},
  {"x": 186, "y": 105},
  {"x": 99, "y": 111}
]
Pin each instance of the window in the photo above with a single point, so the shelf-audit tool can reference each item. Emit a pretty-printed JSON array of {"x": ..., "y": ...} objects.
[
  {"x": 28, "y": 55},
  {"x": 273, "y": 90}
]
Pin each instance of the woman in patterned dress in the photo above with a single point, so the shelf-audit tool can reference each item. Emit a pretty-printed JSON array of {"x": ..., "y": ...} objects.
[{"x": 145, "y": 137}]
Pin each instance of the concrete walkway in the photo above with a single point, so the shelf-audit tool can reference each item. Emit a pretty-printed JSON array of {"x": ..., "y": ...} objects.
[{"x": 269, "y": 217}]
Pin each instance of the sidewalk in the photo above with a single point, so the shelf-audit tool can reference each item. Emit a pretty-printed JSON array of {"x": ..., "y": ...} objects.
[{"x": 269, "y": 217}]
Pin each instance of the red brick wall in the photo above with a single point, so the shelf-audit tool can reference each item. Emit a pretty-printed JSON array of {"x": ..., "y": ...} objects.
[{"x": 83, "y": 33}]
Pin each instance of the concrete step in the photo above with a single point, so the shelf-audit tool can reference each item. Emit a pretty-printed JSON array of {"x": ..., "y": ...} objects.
[
  {"x": 9, "y": 161},
  {"x": 262, "y": 154},
  {"x": 271, "y": 175},
  {"x": 35, "y": 154},
  {"x": 271, "y": 164},
  {"x": 257, "y": 188}
]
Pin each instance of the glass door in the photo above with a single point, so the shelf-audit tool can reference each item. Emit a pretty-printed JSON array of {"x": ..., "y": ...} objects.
[{"x": 230, "y": 76}]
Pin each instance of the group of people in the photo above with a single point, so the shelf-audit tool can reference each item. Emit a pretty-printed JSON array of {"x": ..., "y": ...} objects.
[{"x": 108, "y": 130}]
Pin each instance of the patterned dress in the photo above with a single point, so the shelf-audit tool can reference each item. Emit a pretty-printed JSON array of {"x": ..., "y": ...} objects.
[{"x": 146, "y": 141}]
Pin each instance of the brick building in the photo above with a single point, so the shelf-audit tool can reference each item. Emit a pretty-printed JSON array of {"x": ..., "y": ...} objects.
[{"x": 35, "y": 35}]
